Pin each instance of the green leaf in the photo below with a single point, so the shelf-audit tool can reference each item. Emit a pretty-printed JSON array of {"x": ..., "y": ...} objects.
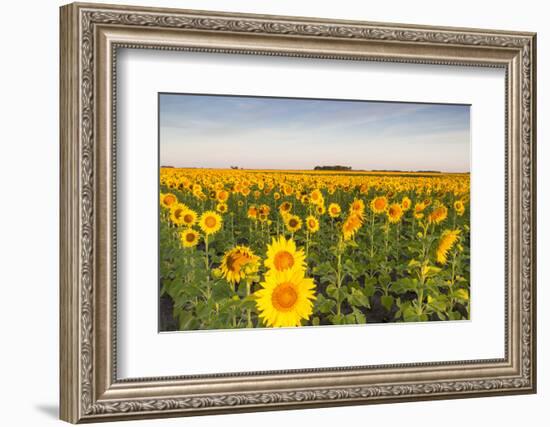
[
  {"x": 352, "y": 244},
  {"x": 332, "y": 290},
  {"x": 403, "y": 285},
  {"x": 359, "y": 317},
  {"x": 384, "y": 279},
  {"x": 184, "y": 319},
  {"x": 357, "y": 298},
  {"x": 439, "y": 305},
  {"x": 410, "y": 315},
  {"x": 455, "y": 315},
  {"x": 221, "y": 290},
  {"x": 337, "y": 293},
  {"x": 324, "y": 269},
  {"x": 387, "y": 301},
  {"x": 414, "y": 263},
  {"x": 461, "y": 294},
  {"x": 369, "y": 289},
  {"x": 324, "y": 305},
  {"x": 248, "y": 303},
  {"x": 430, "y": 270},
  {"x": 337, "y": 319}
]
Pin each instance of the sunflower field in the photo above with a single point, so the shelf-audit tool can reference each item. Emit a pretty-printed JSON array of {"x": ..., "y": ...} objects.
[{"x": 248, "y": 249}]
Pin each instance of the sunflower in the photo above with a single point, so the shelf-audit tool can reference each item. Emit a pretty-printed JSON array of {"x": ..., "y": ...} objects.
[
  {"x": 221, "y": 207},
  {"x": 351, "y": 225},
  {"x": 379, "y": 204},
  {"x": 189, "y": 238},
  {"x": 276, "y": 195},
  {"x": 287, "y": 190},
  {"x": 293, "y": 223},
  {"x": 357, "y": 207},
  {"x": 177, "y": 211},
  {"x": 446, "y": 242},
  {"x": 285, "y": 207},
  {"x": 199, "y": 194},
  {"x": 252, "y": 212},
  {"x": 222, "y": 196},
  {"x": 438, "y": 215},
  {"x": 312, "y": 224},
  {"x": 406, "y": 203},
  {"x": 320, "y": 209},
  {"x": 210, "y": 222},
  {"x": 419, "y": 210},
  {"x": 459, "y": 207},
  {"x": 285, "y": 299},
  {"x": 394, "y": 212},
  {"x": 237, "y": 263},
  {"x": 264, "y": 210},
  {"x": 316, "y": 197},
  {"x": 282, "y": 255},
  {"x": 168, "y": 199},
  {"x": 334, "y": 210},
  {"x": 263, "y": 217},
  {"x": 188, "y": 217}
]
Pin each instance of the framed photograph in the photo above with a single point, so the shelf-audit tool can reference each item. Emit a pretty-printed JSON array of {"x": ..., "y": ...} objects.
[{"x": 266, "y": 212}]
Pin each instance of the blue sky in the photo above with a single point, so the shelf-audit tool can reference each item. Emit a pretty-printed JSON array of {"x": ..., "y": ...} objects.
[{"x": 282, "y": 133}]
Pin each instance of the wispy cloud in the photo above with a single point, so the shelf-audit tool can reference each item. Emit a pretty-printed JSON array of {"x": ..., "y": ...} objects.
[{"x": 280, "y": 133}]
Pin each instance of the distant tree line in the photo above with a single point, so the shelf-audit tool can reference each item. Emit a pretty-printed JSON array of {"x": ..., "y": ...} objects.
[
  {"x": 332, "y": 168},
  {"x": 401, "y": 170}
]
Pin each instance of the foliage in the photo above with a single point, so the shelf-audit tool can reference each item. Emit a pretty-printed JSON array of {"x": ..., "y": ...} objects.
[{"x": 243, "y": 248}]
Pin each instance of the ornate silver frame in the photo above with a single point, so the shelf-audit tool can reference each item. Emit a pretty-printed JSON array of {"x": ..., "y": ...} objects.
[{"x": 90, "y": 36}]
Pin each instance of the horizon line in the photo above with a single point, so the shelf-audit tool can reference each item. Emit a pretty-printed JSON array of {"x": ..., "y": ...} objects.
[{"x": 319, "y": 170}]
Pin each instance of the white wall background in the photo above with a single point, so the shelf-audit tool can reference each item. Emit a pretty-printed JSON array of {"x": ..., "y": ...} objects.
[{"x": 29, "y": 170}]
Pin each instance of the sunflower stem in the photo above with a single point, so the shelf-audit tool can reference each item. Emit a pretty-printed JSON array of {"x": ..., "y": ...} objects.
[
  {"x": 372, "y": 236},
  {"x": 451, "y": 285},
  {"x": 232, "y": 227},
  {"x": 398, "y": 240},
  {"x": 386, "y": 232},
  {"x": 339, "y": 278},
  {"x": 207, "y": 264},
  {"x": 248, "y": 311}
]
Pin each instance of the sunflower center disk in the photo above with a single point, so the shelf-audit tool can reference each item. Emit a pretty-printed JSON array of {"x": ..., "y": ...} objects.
[
  {"x": 236, "y": 261},
  {"x": 210, "y": 222},
  {"x": 190, "y": 237},
  {"x": 283, "y": 260},
  {"x": 284, "y": 296}
]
